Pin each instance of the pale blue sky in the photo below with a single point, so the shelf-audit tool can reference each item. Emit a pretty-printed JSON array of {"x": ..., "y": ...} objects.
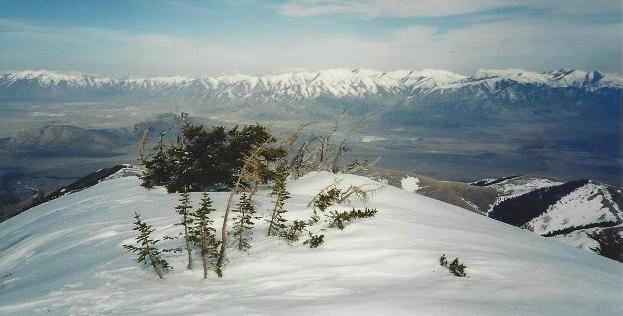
[{"x": 198, "y": 38}]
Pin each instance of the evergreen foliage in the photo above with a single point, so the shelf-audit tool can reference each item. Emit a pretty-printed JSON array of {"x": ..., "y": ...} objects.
[
  {"x": 293, "y": 232},
  {"x": 314, "y": 240},
  {"x": 146, "y": 247},
  {"x": 338, "y": 218},
  {"x": 610, "y": 244},
  {"x": 277, "y": 222},
  {"x": 184, "y": 209},
  {"x": 243, "y": 223},
  {"x": 158, "y": 168},
  {"x": 203, "y": 160},
  {"x": 570, "y": 229},
  {"x": 326, "y": 199},
  {"x": 248, "y": 173},
  {"x": 457, "y": 268},
  {"x": 443, "y": 261},
  {"x": 321, "y": 203},
  {"x": 204, "y": 234}
]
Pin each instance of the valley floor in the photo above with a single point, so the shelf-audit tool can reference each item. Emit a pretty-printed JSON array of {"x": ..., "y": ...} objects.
[{"x": 65, "y": 257}]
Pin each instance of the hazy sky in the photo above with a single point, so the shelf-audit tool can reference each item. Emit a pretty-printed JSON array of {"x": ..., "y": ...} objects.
[{"x": 197, "y": 38}]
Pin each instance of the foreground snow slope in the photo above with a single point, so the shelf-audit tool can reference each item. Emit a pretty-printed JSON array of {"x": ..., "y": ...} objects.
[{"x": 65, "y": 257}]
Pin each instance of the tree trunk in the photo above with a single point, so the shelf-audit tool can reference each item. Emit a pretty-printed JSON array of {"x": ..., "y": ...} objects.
[
  {"x": 272, "y": 219},
  {"x": 221, "y": 254},
  {"x": 230, "y": 200},
  {"x": 190, "y": 258},
  {"x": 205, "y": 265},
  {"x": 153, "y": 263},
  {"x": 157, "y": 268}
]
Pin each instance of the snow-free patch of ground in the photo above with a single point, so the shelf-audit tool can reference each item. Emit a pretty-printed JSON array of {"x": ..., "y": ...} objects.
[{"x": 65, "y": 257}]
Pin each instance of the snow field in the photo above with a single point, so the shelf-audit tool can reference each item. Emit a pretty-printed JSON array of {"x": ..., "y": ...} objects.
[{"x": 65, "y": 257}]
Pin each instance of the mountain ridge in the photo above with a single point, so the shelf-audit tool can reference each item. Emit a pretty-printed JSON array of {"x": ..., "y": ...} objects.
[{"x": 301, "y": 85}]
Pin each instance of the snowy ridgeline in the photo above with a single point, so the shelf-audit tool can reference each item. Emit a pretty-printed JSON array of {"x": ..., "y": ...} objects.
[
  {"x": 65, "y": 257},
  {"x": 338, "y": 82}
]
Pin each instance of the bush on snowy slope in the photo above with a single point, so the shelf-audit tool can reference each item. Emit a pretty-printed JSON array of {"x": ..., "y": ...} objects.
[
  {"x": 146, "y": 247},
  {"x": 251, "y": 170},
  {"x": 337, "y": 219},
  {"x": 456, "y": 267},
  {"x": 203, "y": 160}
]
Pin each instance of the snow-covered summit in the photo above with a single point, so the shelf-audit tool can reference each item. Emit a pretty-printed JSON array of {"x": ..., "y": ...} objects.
[{"x": 65, "y": 257}]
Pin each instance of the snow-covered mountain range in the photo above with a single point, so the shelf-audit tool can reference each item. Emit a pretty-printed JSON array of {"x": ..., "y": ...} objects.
[
  {"x": 300, "y": 86},
  {"x": 65, "y": 257}
]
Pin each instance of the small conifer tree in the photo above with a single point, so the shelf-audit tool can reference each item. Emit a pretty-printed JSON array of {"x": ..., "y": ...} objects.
[
  {"x": 184, "y": 209},
  {"x": 243, "y": 223},
  {"x": 158, "y": 170},
  {"x": 146, "y": 247},
  {"x": 204, "y": 235},
  {"x": 276, "y": 224}
]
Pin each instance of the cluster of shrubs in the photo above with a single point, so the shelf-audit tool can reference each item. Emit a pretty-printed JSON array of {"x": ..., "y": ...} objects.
[
  {"x": 203, "y": 160},
  {"x": 199, "y": 236},
  {"x": 238, "y": 160},
  {"x": 456, "y": 267}
]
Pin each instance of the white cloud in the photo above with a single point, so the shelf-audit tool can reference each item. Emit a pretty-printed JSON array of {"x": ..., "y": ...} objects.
[
  {"x": 537, "y": 44},
  {"x": 373, "y": 8},
  {"x": 534, "y": 44},
  {"x": 432, "y": 8}
]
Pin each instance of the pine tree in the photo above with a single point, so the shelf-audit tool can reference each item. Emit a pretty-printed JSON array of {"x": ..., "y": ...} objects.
[
  {"x": 185, "y": 211},
  {"x": 158, "y": 168},
  {"x": 146, "y": 249},
  {"x": 276, "y": 224},
  {"x": 243, "y": 223},
  {"x": 204, "y": 235}
]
